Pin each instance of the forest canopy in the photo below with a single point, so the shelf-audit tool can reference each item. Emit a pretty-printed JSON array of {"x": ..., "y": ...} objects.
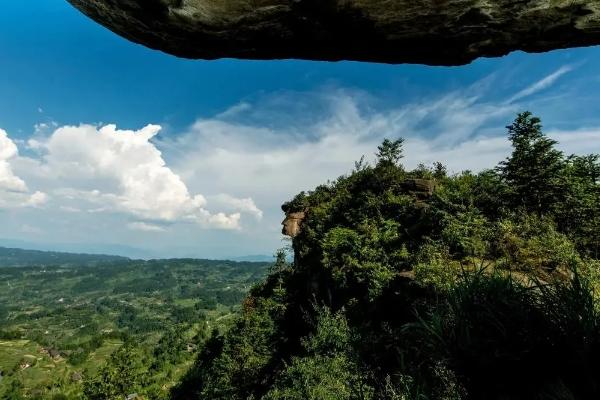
[
  {"x": 424, "y": 285},
  {"x": 397, "y": 284}
]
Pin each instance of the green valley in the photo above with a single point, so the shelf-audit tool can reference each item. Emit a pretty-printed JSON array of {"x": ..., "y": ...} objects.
[
  {"x": 61, "y": 323},
  {"x": 404, "y": 285}
]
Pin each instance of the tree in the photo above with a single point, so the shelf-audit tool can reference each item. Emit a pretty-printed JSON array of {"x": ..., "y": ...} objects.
[
  {"x": 439, "y": 170},
  {"x": 390, "y": 152},
  {"x": 586, "y": 168},
  {"x": 579, "y": 213},
  {"x": 533, "y": 170},
  {"x": 330, "y": 369},
  {"x": 118, "y": 378}
]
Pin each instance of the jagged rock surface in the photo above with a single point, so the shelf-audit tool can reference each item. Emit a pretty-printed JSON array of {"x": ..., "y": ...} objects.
[
  {"x": 435, "y": 32},
  {"x": 292, "y": 224}
]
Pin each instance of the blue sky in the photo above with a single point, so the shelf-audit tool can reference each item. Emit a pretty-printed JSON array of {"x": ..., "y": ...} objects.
[{"x": 223, "y": 143}]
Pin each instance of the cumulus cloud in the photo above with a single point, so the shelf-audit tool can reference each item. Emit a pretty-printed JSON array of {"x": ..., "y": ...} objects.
[
  {"x": 224, "y": 221},
  {"x": 122, "y": 170},
  {"x": 8, "y": 180},
  {"x": 246, "y": 205},
  {"x": 13, "y": 190}
]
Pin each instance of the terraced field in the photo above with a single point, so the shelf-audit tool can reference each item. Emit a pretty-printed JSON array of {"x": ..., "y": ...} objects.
[{"x": 59, "y": 325}]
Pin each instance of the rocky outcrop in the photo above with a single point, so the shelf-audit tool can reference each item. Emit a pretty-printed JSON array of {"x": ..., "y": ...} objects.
[
  {"x": 292, "y": 223},
  {"x": 421, "y": 189},
  {"x": 435, "y": 32},
  {"x": 76, "y": 377}
]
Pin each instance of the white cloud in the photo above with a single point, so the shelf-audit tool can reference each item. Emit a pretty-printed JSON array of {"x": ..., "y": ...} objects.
[
  {"x": 224, "y": 221},
  {"x": 235, "y": 110},
  {"x": 13, "y": 190},
  {"x": 70, "y": 209},
  {"x": 246, "y": 205},
  {"x": 34, "y": 144},
  {"x": 37, "y": 199},
  {"x": 541, "y": 84},
  {"x": 256, "y": 153},
  {"x": 273, "y": 163},
  {"x": 103, "y": 169},
  {"x": 145, "y": 227},
  {"x": 8, "y": 180},
  {"x": 578, "y": 141}
]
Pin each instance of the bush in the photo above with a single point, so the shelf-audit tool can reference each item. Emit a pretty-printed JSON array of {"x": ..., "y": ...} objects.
[
  {"x": 435, "y": 268},
  {"x": 330, "y": 371},
  {"x": 533, "y": 244},
  {"x": 492, "y": 330}
]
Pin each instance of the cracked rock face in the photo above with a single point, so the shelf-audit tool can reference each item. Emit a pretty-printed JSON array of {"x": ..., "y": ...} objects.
[
  {"x": 435, "y": 32},
  {"x": 292, "y": 224}
]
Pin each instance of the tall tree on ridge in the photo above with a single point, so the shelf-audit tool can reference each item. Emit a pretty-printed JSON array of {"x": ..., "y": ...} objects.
[
  {"x": 533, "y": 171},
  {"x": 390, "y": 152}
]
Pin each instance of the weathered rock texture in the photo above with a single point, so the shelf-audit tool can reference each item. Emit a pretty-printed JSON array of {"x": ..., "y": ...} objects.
[
  {"x": 292, "y": 224},
  {"x": 436, "y": 32},
  {"x": 421, "y": 189}
]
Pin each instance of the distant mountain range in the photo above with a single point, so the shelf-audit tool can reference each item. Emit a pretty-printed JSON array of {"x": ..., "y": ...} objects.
[
  {"x": 126, "y": 251},
  {"x": 19, "y": 257},
  {"x": 254, "y": 258},
  {"x": 13, "y": 257},
  {"x": 81, "y": 248}
]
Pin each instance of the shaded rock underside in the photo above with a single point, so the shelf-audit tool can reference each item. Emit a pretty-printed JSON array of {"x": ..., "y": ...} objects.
[{"x": 434, "y": 32}]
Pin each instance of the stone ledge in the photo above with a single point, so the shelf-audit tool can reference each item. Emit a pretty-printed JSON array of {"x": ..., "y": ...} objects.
[{"x": 435, "y": 32}]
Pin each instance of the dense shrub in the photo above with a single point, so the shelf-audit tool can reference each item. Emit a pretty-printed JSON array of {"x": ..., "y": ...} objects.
[{"x": 483, "y": 289}]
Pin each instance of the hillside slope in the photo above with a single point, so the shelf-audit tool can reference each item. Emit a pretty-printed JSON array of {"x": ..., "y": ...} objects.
[
  {"x": 419, "y": 285},
  {"x": 112, "y": 328}
]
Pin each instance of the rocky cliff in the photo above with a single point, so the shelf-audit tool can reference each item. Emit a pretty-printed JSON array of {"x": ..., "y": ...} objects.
[{"x": 436, "y": 32}]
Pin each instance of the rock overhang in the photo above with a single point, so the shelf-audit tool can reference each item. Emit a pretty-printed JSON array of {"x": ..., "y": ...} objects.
[{"x": 433, "y": 32}]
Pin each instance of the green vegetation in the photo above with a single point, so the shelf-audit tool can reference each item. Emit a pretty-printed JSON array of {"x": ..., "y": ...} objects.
[
  {"x": 417, "y": 285},
  {"x": 405, "y": 285},
  {"x": 112, "y": 329}
]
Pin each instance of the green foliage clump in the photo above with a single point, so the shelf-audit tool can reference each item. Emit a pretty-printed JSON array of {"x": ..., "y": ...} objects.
[
  {"x": 533, "y": 171},
  {"x": 230, "y": 366},
  {"x": 494, "y": 330},
  {"x": 390, "y": 152},
  {"x": 328, "y": 371},
  {"x": 435, "y": 267},
  {"x": 428, "y": 286},
  {"x": 533, "y": 244},
  {"x": 119, "y": 378}
]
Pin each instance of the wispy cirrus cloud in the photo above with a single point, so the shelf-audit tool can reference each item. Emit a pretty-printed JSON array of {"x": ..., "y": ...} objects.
[
  {"x": 464, "y": 129},
  {"x": 218, "y": 171},
  {"x": 542, "y": 84}
]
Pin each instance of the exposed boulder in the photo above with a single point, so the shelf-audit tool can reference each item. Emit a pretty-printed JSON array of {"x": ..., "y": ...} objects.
[
  {"x": 53, "y": 353},
  {"x": 76, "y": 377},
  {"x": 421, "y": 189},
  {"x": 292, "y": 223},
  {"x": 435, "y": 32}
]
